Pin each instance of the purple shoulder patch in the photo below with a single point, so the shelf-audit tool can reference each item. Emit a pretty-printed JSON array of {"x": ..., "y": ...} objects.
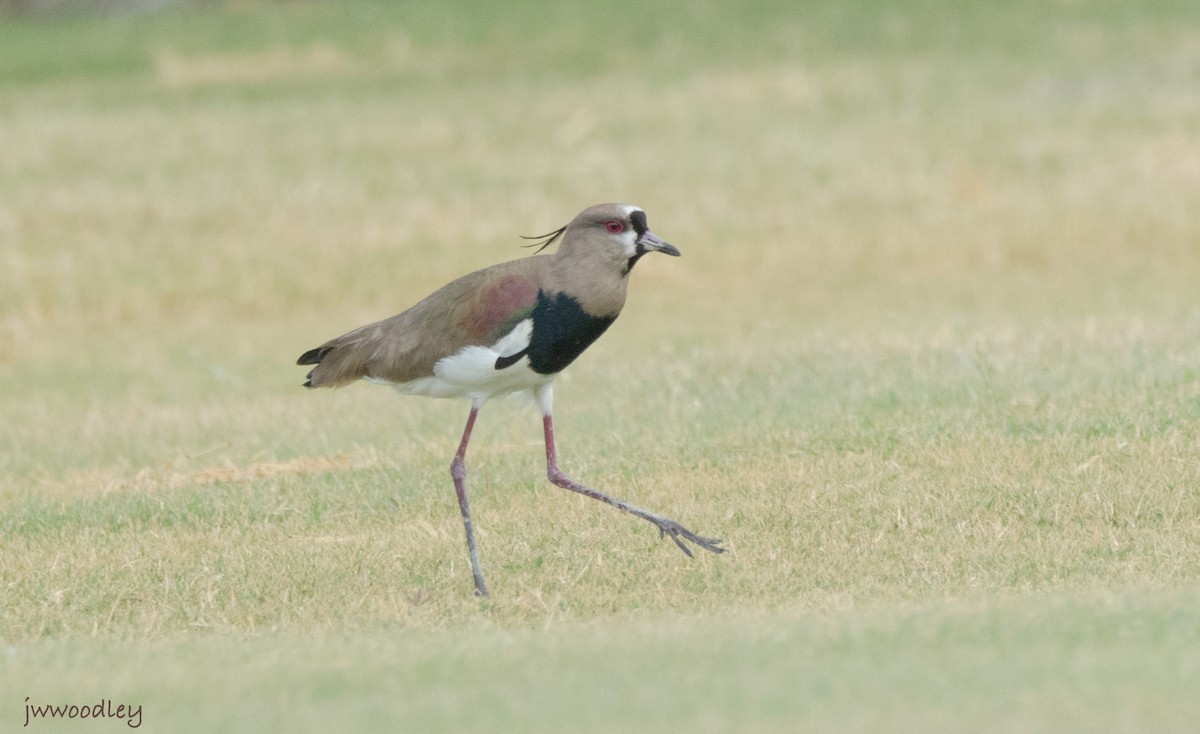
[{"x": 498, "y": 307}]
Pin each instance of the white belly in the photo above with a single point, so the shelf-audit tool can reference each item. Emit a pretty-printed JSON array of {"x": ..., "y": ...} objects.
[{"x": 471, "y": 371}]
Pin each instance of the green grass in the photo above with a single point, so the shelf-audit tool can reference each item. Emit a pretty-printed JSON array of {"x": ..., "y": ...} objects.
[
  {"x": 929, "y": 365},
  {"x": 1096, "y": 663}
]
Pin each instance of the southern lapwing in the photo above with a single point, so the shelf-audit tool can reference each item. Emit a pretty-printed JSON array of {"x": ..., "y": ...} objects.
[{"x": 508, "y": 328}]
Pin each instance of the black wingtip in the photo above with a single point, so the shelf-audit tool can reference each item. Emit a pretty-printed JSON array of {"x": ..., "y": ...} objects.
[{"x": 313, "y": 356}]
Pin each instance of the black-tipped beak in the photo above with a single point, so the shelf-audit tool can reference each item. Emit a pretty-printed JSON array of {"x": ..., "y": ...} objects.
[{"x": 648, "y": 242}]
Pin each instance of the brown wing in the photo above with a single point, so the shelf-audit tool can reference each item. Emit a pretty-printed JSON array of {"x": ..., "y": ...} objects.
[{"x": 476, "y": 309}]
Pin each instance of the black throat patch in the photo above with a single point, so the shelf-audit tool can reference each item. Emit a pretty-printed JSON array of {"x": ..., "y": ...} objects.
[
  {"x": 638, "y": 219},
  {"x": 561, "y": 331}
]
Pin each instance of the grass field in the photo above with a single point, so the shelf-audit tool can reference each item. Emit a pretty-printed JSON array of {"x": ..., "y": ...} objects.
[{"x": 930, "y": 365}]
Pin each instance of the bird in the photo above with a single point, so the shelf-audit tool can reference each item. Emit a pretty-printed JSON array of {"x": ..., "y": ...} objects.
[{"x": 509, "y": 328}]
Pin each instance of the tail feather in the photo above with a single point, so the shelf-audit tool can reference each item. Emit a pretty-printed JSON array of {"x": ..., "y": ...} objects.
[
  {"x": 367, "y": 351},
  {"x": 337, "y": 362},
  {"x": 313, "y": 356}
]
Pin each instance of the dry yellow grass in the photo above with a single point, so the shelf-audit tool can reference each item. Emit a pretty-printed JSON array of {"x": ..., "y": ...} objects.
[{"x": 929, "y": 364}]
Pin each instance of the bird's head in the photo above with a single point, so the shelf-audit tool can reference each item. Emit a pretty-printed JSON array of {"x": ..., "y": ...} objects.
[{"x": 617, "y": 233}]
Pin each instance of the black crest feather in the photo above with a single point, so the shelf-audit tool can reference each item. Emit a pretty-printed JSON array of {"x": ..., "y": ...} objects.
[{"x": 542, "y": 241}]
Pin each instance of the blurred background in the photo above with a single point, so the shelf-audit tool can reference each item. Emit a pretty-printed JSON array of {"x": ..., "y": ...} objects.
[
  {"x": 883, "y": 207},
  {"x": 929, "y": 364}
]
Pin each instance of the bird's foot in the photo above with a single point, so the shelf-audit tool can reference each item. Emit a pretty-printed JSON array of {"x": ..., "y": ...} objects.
[
  {"x": 676, "y": 531},
  {"x": 665, "y": 525}
]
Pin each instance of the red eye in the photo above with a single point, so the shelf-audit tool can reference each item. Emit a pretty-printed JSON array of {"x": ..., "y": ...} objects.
[{"x": 614, "y": 226}]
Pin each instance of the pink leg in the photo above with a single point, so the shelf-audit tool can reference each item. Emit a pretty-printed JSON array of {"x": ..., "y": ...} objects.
[
  {"x": 665, "y": 526},
  {"x": 458, "y": 471}
]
